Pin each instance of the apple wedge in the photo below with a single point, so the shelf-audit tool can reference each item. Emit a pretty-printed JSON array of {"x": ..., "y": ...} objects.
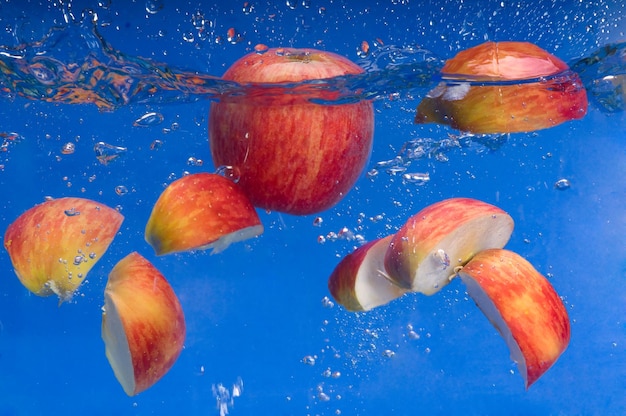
[
  {"x": 522, "y": 305},
  {"x": 55, "y": 244},
  {"x": 504, "y": 87},
  {"x": 360, "y": 282},
  {"x": 424, "y": 253},
  {"x": 143, "y": 326},
  {"x": 201, "y": 211}
]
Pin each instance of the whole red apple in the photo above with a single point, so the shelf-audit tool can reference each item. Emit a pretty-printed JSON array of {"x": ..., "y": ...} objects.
[{"x": 292, "y": 155}]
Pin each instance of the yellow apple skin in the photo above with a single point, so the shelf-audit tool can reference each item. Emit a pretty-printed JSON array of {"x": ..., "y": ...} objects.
[
  {"x": 516, "y": 107},
  {"x": 56, "y": 243},
  {"x": 292, "y": 155},
  {"x": 196, "y": 211},
  {"x": 523, "y": 306},
  {"x": 424, "y": 253},
  {"x": 359, "y": 282},
  {"x": 152, "y": 320}
]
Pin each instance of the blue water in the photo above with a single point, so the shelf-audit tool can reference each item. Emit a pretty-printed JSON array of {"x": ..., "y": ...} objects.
[{"x": 262, "y": 336}]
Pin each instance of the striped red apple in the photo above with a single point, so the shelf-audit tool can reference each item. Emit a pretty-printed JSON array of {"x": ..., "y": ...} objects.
[
  {"x": 53, "y": 245},
  {"x": 143, "y": 326},
  {"x": 504, "y": 87},
  {"x": 292, "y": 155},
  {"x": 523, "y": 306},
  {"x": 201, "y": 211}
]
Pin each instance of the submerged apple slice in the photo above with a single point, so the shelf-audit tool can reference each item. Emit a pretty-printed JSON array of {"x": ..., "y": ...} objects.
[
  {"x": 504, "y": 87},
  {"x": 425, "y": 252},
  {"x": 522, "y": 305},
  {"x": 360, "y": 282},
  {"x": 55, "y": 244},
  {"x": 143, "y": 326},
  {"x": 199, "y": 212}
]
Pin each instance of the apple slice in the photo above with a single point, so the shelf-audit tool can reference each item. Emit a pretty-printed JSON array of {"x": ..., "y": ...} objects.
[
  {"x": 143, "y": 326},
  {"x": 360, "y": 282},
  {"x": 425, "y": 252},
  {"x": 55, "y": 244},
  {"x": 477, "y": 94},
  {"x": 201, "y": 211},
  {"x": 522, "y": 305}
]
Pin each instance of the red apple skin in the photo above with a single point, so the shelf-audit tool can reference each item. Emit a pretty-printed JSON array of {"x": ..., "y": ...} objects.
[
  {"x": 197, "y": 210},
  {"x": 527, "y": 303},
  {"x": 291, "y": 155},
  {"x": 151, "y": 315},
  {"x": 55, "y": 244},
  {"x": 505, "y": 108}
]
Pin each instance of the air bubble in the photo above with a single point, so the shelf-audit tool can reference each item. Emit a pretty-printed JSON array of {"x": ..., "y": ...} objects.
[
  {"x": 106, "y": 153},
  {"x": 327, "y": 303},
  {"x": 261, "y": 48},
  {"x": 68, "y": 148},
  {"x": 72, "y": 212},
  {"x": 417, "y": 178},
  {"x": 149, "y": 119},
  {"x": 309, "y": 360},
  {"x": 323, "y": 396},
  {"x": 189, "y": 37},
  {"x": 413, "y": 335},
  {"x": 156, "y": 145},
  {"x": 562, "y": 184},
  {"x": 248, "y": 8},
  {"x": 154, "y": 6},
  {"x": 192, "y": 161},
  {"x": 229, "y": 172},
  {"x": 121, "y": 190},
  {"x": 388, "y": 353}
]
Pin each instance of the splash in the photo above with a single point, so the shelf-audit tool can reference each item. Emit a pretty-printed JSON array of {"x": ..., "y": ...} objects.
[
  {"x": 604, "y": 74},
  {"x": 74, "y": 64}
]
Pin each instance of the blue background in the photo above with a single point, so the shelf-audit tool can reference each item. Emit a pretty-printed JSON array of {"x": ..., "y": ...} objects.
[{"x": 255, "y": 311}]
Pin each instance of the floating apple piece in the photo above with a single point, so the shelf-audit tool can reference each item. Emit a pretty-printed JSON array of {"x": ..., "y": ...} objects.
[
  {"x": 425, "y": 252},
  {"x": 55, "y": 244},
  {"x": 360, "y": 282},
  {"x": 143, "y": 326},
  {"x": 522, "y": 305},
  {"x": 201, "y": 211},
  {"x": 477, "y": 94},
  {"x": 292, "y": 155}
]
